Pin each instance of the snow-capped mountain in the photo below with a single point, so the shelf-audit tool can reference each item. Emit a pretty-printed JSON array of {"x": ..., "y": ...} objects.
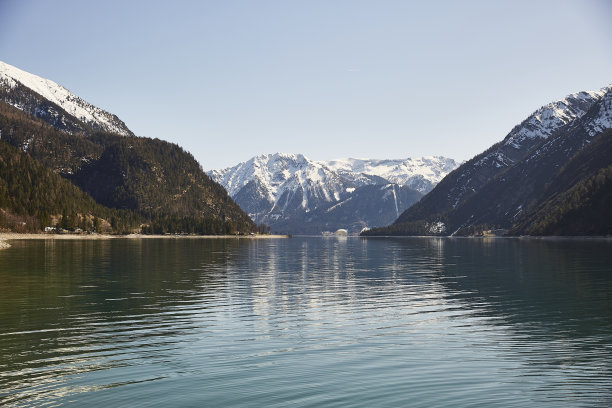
[
  {"x": 53, "y": 103},
  {"x": 278, "y": 188},
  {"x": 283, "y": 179},
  {"x": 498, "y": 187},
  {"x": 540, "y": 125},
  {"x": 602, "y": 117},
  {"x": 420, "y": 174},
  {"x": 543, "y": 122},
  {"x": 161, "y": 185}
]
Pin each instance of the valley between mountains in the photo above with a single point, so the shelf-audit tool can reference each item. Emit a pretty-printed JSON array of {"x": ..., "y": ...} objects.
[{"x": 68, "y": 165}]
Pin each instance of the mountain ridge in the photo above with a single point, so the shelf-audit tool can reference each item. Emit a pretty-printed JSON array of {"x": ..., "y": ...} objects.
[
  {"x": 490, "y": 190},
  {"x": 150, "y": 179},
  {"x": 282, "y": 189},
  {"x": 53, "y": 102}
]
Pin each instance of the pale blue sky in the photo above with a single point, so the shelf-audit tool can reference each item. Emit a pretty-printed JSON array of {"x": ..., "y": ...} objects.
[{"x": 376, "y": 79}]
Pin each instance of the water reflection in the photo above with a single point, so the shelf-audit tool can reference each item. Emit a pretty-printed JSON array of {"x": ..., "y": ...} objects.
[
  {"x": 68, "y": 308},
  {"x": 349, "y": 322}
]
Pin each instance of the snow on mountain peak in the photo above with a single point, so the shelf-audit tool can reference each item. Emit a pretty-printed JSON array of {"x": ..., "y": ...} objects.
[
  {"x": 549, "y": 118},
  {"x": 603, "y": 117},
  {"x": 276, "y": 173},
  {"x": 280, "y": 187},
  {"x": 282, "y": 178},
  {"x": 12, "y": 77},
  {"x": 420, "y": 173}
]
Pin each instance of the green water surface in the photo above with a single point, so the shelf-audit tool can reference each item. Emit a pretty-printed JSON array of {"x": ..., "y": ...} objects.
[{"x": 313, "y": 322}]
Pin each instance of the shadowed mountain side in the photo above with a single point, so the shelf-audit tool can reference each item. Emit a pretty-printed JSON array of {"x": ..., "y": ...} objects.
[
  {"x": 148, "y": 178},
  {"x": 578, "y": 200},
  {"x": 153, "y": 176},
  {"x": 31, "y": 194},
  {"x": 366, "y": 206},
  {"x": 62, "y": 152},
  {"x": 510, "y": 187}
]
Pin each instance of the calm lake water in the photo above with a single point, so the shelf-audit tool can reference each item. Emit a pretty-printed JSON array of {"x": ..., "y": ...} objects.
[{"x": 321, "y": 322}]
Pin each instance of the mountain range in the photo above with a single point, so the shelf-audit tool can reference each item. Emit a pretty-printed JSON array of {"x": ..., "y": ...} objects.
[
  {"x": 137, "y": 183},
  {"x": 549, "y": 176},
  {"x": 293, "y": 194},
  {"x": 68, "y": 164}
]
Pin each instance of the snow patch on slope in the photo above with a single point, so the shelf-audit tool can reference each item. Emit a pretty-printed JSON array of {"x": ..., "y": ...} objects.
[
  {"x": 420, "y": 174},
  {"x": 603, "y": 118},
  {"x": 12, "y": 76},
  {"x": 282, "y": 175},
  {"x": 292, "y": 182},
  {"x": 549, "y": 118}
]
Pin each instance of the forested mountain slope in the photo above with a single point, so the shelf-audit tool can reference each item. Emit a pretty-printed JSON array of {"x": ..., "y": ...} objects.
[
  {"x": 157, "y": 180},
  {"x": 33, "y": 197},
  {"x": 494, "y": 190},
  {"x": 578, "y": 201}
]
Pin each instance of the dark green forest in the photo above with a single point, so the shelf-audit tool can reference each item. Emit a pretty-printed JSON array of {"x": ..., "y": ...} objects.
[
  {"x": 103, "y": 182},
  {"x": 33, "y": 197},
  {"x": 578, "y": 201}
]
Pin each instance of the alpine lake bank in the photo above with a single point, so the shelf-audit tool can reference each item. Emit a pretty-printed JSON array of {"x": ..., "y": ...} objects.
[{"x": 10, "y": 236}]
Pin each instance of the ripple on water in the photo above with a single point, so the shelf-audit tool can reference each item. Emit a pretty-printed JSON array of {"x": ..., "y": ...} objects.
[{"x": 306, "y": 322}]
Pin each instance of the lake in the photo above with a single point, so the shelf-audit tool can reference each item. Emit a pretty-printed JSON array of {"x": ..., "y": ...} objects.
[{"x": 306, "y": 322}]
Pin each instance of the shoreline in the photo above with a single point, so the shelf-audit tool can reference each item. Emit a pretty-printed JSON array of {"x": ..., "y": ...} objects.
[
  {"x": 10, "y": 236},
  {"x": 17, "y": 236},
  {"x": 521, "y": 237}
]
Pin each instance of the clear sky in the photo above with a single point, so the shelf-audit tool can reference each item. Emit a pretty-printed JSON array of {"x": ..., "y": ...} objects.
[{"x": 228, "y": 80}]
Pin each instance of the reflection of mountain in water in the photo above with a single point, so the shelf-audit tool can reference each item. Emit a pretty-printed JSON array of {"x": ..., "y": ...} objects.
[
  {"x": 555, "y": 287},
  {"x": 389, "y": 318},
  {"x": 540, "y": 291}
]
